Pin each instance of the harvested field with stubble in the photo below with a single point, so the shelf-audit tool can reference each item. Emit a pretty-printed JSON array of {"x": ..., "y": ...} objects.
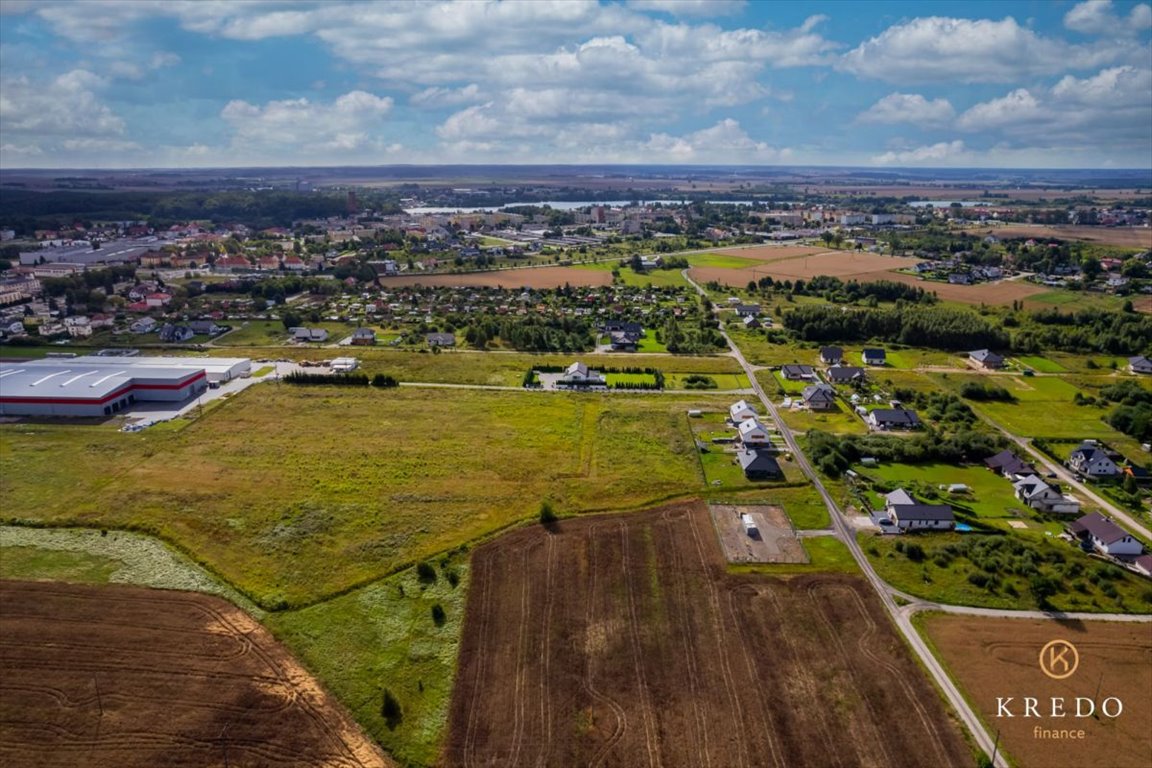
[
  {"x": 994, "y": 657},
  {"x": 530, "y": 277},
  {"x": 126, "y": 676},
  {"x": 1124, "y": 237},
  {"x": 847, "y": 265},
  {"x": 622, "y": 640}
]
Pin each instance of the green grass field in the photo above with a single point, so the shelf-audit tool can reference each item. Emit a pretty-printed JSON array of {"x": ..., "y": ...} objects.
[
  {"x": 382, "y": 636},
  {"x": 505, "y": 369},
  {"x": 990, "y": 496},
  {"x": 657, "y": 278},
  {"x": 1072, "y": 301},
  {"x": 36, "y": 564},
  {"x": 825, "y": 553},
  {"x": 838, "y": 422},
  {"x": 1084, "y": 584},
  {"x": 384, "y": 477},
  {"x": 1038, "y": 400},
  {"x": 724, "y": 381},
  {"x": 1041, "y": 364},
  {"x": 272, "y": 332},
  {"x": 723, "y": 260}
]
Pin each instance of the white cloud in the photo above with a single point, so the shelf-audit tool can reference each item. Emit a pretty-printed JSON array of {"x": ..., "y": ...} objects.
[
  {"x": 1097, "y": 17},
  {"x": 725, "y": 142},
  {"x": 352, "y": 123},
  {"x": 1113, "y": 105},
  {"x": 690, "y": 7},
  {"x": 937, "y": 49},
  {"x": 908, "y": 108},
  {"x": 936, "y": 154},
  {"x": 67, "y": 106},
  {"x": 447, "y": 97}
]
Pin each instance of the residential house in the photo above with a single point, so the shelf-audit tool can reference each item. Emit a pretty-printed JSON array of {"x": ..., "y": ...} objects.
[
  {"x": 758, "y": 465},
  {"x": 909, "y": 515},
  {"x": 1139, "y": 364},
  {"x": 1142, "y": 564},
  {"x": 143, "y": 325},
  {"x": 1038, "y": 495},
  {"x": 874, "y": 357},
  {"x": 580, "y": 376},
  {"x": 175, "y": 334},
  {"x": 1105, "y": 536},
  {"x": 309, "y": 335},
  {"x": 960, "y": 278},
  {"x": 1009, "y": 465},
  {"x": 205, "y": 327},
  {"x": 794, "y": 372},
  {"x": 819, "y": 397},
  {"x": 748, "y": 310},
  {"x": 753, "y": 433},
  {"x": 625, "y": 340},
  {"x": 845, "y": 374},
  {"x": 986, "y": 359},
  {"x": 363, "y": 337},
  {"x": 440, "y": 339},
  {"x": 741, "y": 411},
  {"x": 831, "y": 355},
  {"x": 893, "y": 418},
  {"x": 752, "y": 322},
  {"x": 1091, "y": 461},
  {"x": 157, "y": 299}
]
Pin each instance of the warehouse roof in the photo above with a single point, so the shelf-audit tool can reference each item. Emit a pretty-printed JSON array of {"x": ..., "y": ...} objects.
[{"x": 65, "y": 380}]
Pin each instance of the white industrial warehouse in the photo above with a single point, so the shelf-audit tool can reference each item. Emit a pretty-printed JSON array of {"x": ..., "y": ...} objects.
[{"x": 103, "y": 386}]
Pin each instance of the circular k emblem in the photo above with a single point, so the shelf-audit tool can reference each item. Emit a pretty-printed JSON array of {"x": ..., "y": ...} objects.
[{"x": 1059, "y": 659}]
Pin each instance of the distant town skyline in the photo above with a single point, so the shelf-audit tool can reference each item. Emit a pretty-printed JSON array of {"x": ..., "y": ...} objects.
[{"x": 180, "y": 83}]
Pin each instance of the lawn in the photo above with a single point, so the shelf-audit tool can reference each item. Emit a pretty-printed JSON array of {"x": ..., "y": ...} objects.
[
  {"x": 990, "y": 496},
  {"x": 825, "y": 553},
  {"x": 724, "y": 381},
  {"x": 789, "y": 386},
  {"x": 293, "y": 493},
  {"x": 839, "y": 421},
  {"x": 940, "y": 567},
  {"x": 1041, "y": 364},
  {"x": 382, "y": 636},
  {"x": 725, "y": 260}
]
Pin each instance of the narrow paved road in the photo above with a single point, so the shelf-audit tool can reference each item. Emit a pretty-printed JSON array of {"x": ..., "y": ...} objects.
[
  {"x": 1064, "y": 474},
  {"x": 924, "y": 605},
  {"x": 847, "y": 534}
]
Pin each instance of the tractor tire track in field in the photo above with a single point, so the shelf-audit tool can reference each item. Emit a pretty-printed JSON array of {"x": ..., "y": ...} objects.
[
  {"x": 865, "y": 645},
  {"x": 148, "y": 709},
  {"x": 874, "y": 719},
  {"x": 623, "y": 640},
  {"x": 648, "y": 716},
  {"x": 679, "y": 609},
  {"x": 617, "y": 711}
]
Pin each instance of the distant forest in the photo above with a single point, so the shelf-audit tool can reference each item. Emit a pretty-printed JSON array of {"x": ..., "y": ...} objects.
[{"x": 26, "y": 211}]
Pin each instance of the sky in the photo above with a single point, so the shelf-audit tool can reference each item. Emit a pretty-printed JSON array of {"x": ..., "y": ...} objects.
[{"x": 215, "y": 83}]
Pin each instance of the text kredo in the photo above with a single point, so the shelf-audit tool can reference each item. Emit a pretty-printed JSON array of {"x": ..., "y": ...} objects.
[{"x": 1056, "y": 706}]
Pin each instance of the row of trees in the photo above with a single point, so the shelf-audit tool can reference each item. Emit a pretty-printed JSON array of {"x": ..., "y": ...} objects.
[
  {"x": 1133, "y": 416},
  {"x": 834, "y": 454},
  {"x": 921, "y": 326}
]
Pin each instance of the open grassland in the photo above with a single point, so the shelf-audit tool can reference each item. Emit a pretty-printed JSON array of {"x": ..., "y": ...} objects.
[
  {"x": 1074, "y": 301},
  {"x": 1044, "y": 407},
  {"x": 519, "y": 277},
  {"x": 997, "y": 571},
  {"x": 168, "y": 677},
  {"x": 994, "y": 657},
  {"x": 295, "y": 493},
  {"x": 625, "y": 641},
  {"x": 500, "y": 369},
  {"x": 658, "y": 278},
  {"x": 838, "y": 422},
  {"x": 384, "y": 636},
  {"x": 1037, "y": 363}
]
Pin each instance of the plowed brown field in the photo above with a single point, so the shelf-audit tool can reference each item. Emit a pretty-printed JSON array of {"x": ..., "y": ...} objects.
[
  {"x": 622, "y": 641},
  {"x": 992, "y": 657},
  {"x": 124, "y": 676}
]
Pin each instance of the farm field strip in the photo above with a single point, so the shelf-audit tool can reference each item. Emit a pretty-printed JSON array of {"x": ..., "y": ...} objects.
[
  {"x": 120, "y": 675},
  {"x": 997, "y": 657},
  {"x": 654, "y": 655}
]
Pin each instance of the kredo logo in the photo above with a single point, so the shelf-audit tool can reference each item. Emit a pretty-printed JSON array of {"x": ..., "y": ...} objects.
[{"x": 1059, "y": 659}]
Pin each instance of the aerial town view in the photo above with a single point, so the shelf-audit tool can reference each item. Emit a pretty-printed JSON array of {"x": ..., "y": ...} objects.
[{"x": 575, "y": 383}]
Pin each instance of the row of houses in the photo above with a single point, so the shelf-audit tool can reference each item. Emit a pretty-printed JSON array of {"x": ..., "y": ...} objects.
[{"x": 755, "y": 453}]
